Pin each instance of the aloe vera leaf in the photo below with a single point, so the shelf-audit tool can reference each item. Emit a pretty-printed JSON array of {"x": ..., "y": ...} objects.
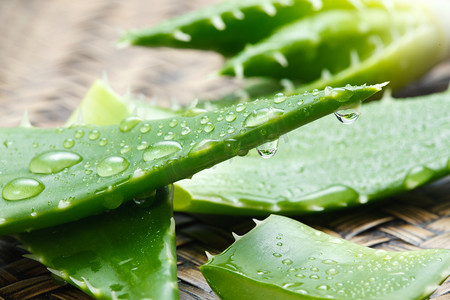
[
  {"x": 320, "y": 44},
  {"x": 228, "y": 26},
  {"x": 68, "y": 173},
  {"x": 285, "y": 259},
  {"x": 396, "y": 146},
  {"x": 126, "y": 253}
]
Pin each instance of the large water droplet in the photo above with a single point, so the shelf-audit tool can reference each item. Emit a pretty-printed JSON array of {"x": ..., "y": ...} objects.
[
  {"x": 68, "y": 143},
  {"x": 78, "y": 134},
  {"x": 185, "y": 130},
  {"x": 129, "y": 123},
  {"x": 262, "y": 116},
  {"x": 347, "y": 116},
  {"x": 93, "y": 135},
  {"x": 173, "y": 123},
  {"x": 53, "y": 161},
  {"x": 230, "y": 117},
  {"x": 160, "y": 150},
  {"x": 169, "y": 136},
  {"x": 112, "y": 165},
  {"x": 145, "y": 128},
  {"x": 279, "y": 98},
  {"x": 240, "y": 107},
  {"x": 145, "y": 199},
  {"x": 267, "y": 150},
  {"x": 209, "y": 127},
  {"x": 22, "y": 188},
  {"x": 323, "y": 287},
  {"x": 103, "y": 142},
  {"x": 418, "y": 176},
  {"x": 204, "y": 120}
]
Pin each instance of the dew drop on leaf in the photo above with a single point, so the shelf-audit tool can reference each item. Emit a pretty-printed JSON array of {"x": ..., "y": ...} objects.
[
  {"x": 160, "y": 150},
  {"x": 268, "y": 150},
  {"x": 129, "y": 123},
  {"x": 347, "y": 116},
  {"x": 262, "y": 116},
  {"x": 53, "y": 161},
  {"x": 112, "y": 165},
  {"x": 22, "y": 188},
  {"x": 68, "y": 143}
]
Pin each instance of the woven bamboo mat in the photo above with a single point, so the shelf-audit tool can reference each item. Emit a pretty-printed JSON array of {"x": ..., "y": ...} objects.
[{"x": 50, "y": 53}]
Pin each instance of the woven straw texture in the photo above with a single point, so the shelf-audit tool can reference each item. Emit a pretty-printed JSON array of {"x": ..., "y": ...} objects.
[{"x": 50, "y": 53}]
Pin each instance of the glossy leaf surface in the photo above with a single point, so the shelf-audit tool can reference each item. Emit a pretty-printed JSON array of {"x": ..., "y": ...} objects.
[
  {"x": 228, "y": 26},
  {"x": 127, "y": 253},
  {"x": 394, "y": 146},
  {"x": 284, "y": 259},
  {"x": 118, "y": 162}
]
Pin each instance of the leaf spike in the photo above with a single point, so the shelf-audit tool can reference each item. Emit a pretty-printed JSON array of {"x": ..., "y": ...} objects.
[
  {"x": 357, "y": 4},
  {"x": 269, "y": 9},
  {"x": 281, "y": 59},
  {"x": 257, "y": 222},
  {"x": 316, "y": 4},
  {"x": 326, "y": 75},
  {"x": 354, "y": 59},
  {"x": 239, "y": 71},
  {"x": 93, "y": 289},
  {"x": 33, "y": 257},
  {"x": 58, "y": 273},
  {"x": 238, "y": 14},
  {"x": 218, "y": 23},
  {"x": 181, "y": 36},
  {"x": 236, "y": 236},
  {"x": 80, "y": 283},
  {"x": 209, "y": 255},
  {"x": 287, "y": 85},
  {"x": 25, "y": 122}
]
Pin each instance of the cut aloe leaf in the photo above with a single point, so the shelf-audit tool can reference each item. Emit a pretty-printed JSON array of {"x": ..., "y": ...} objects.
[
  {"x": 284, "y": 259},
  {"x": 127, "y": 253},
  {"x": 228, "y": 26},
  {"x": 395, "y": 146},
  {"x": 324, "y": 44},
  {"x": 52, "y": 176}
]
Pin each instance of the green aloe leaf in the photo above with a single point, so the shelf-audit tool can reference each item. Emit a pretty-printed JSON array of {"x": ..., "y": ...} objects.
[
  {"x": 127, "y": 253},
  {"x": 228, "y": 26},
  {"x": 52, "y": 176},
  {"x": 345, "y": 46},
  {"x": 395, "y": 146},
  {"x": 284, "y": 259}
]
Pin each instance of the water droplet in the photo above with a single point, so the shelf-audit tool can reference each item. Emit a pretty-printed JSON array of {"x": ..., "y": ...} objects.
[
  {"x": 329, "y": 262},
  {"x": 22, "y": 188},
  {"x": 280, "y": 244},
  {"x": 93, "y": 135},
  {"x": 332, "y": 271},
  {"x": 173, "y": 123},
  {"x": 230, "y": 117},
  {"x": 276, "y": 254},
  {"x": 240, "y": 107},
  {"x": 78, "y": 134},
  {"x": 314, "y": 269},
  {"x": 209, "y": 127},
  {"x": 125, "y": 149},
  {"x": 231, "y": 129},
  {"x": 287, "y": 262},
  {"x": 204, "y": 120},
  {"x": 160, "y": 150},
  {"x": 301, "y": 276},
  {"x": 268, "y": 150},
  {"x": 418, "y": 176},
  {"x": 292, "y": 285},
  {"x": 347, "y": 116},
  {"x": 262, "y": 272},
  {"x": 314, "y": 276},
  {"x": 185, "y": 130},
  {"x": 159, "y": 133},
  {"x": 129, "y": 123},
  {"x": 169, "y": 136},
  {"x": 103, "y": 142},
  {"x": 68, "y": 143},
  {"x": 143, "y": 145},
  {"x": 220, "y": 118},
  {"x": 323, "y": 287},
  {"x": 112, "y": 165},
  {"x": 146, "y": 199},
  {"x": 145, "y": 128},
  {"x": 262, "y": 116},
  {"x": 279, "y": 98},
  {"x": 53, "y": 162},
  {"x": 203, "y": 145}
]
